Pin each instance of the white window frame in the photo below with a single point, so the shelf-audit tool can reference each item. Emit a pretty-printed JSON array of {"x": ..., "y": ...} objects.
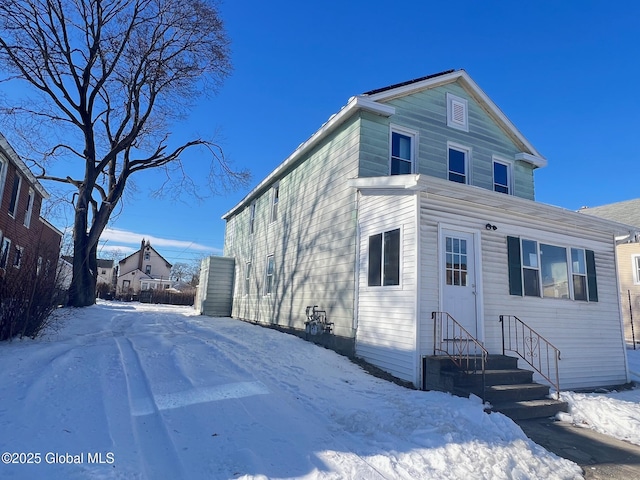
[
  {"x": 29, "y": 211},
  {"x": 268, "y": 285},
  {"x": 635, "y": 266},
  {"x": 460, "y": 104},
  {"x": 413, "y": 135},
  {"x": 12, "y": 214},
  {"x": 247, "y": 278},
  {"x": 275, "y": 200},
  {"x": 147, "y": 269},
  {"x": 252, "y": 217},
  {"x": 509, "y": 166},
  {"x": 467, "y": 162},
  {"x": 5, "y": 252}
]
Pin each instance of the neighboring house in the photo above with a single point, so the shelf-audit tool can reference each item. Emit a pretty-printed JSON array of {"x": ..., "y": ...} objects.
[
  {"x": 144, "y": 269},
  {"x": 628, "y": 256},
  {"x": 419, "y": 198},
  {"x": 26, "y": 239},
  {"x": 107, "y": 272}
]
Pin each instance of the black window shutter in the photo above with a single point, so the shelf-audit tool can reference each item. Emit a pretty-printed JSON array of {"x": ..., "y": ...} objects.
[
  {"x": 515, "y": 268},
  {"x": 591, "y": 276}
]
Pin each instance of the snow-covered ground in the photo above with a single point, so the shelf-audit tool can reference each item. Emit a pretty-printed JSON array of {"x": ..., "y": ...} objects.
[
  {"x": 134, "y": 391},
  {"x": 615, "y": 413}
]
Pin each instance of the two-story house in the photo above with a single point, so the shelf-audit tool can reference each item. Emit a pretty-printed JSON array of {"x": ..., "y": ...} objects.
[
  {"x": 144, "y": 269},
  {"x": 416, "y": 202},
  {"x": 27, "y": 240}
]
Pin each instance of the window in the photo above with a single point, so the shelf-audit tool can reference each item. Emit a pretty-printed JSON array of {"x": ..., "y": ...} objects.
[
  {"x": 501, "y": 177},
  {"x": 104, "y": 272},
  {"x": 147, "y": 269},
  {"x": 579, "y": 274},
  {"x": 29, "y": 211},
  {"x": 17, "y": 256},
  {"x": 456, "y": 267},
  {"x": 4, "y": 252},
  {"x": 147, "y": 256},
  {"x": 143, "y": 285},
  {"x": 247, "y": 277},
  {"x": 268, "y": 287},
  {"x": 457, "y": 116},
  {"x": 384, "y": 259},
  {"x": 39, "y": 266},
  {"x": 402, "y": 151},
  {"x": 636, "y": 269},
  {"x": 542, "y": 270},
  {"x": 275, "y": 198},
  {"x": 457, "y": 160},
  {"x": 17, "y": 181},
  {"x": 252, "y": 217},
  {"x": 3, "y": 175}
]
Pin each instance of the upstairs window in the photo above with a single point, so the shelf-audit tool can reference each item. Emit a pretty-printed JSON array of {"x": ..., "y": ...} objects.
[
  {"x": 147, "y": 269},
  {"x": 501, "y": 177},
  {"x": 29, "y": 211},
  {"x": 17, "y": 256},
  {"x": 275, "y": 199},
  {"x": 268, "y": 287},
  {"x": 252, "y": 216},
  {"x": 402, "y": 151},
  {"x": 457, "y": 161},
  {"x": 147, "y": 255},
  {"x": 457, "y": 114},
  {"x": 3, "y": 175},
  {"x": 4, "y": 252},
  {"x": 636, "y": 269},
  {"x": 384, "y": 259},
  {"x": 17, "y": 182}
]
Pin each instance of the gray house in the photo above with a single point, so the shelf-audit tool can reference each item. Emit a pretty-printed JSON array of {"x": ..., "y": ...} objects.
[{"x": 415, "y": 203}]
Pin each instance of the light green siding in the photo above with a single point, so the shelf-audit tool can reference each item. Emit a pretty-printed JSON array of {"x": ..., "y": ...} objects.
[
  {"x": 426, "y": 113},
  {"x": 313, "y": 241}
]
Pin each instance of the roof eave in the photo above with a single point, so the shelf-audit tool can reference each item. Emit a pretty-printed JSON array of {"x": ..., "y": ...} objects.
[{"x": 355, "y": 104}]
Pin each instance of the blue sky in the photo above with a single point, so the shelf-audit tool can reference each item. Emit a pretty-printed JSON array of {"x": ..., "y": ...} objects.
[{"x": 565, "y": 73}]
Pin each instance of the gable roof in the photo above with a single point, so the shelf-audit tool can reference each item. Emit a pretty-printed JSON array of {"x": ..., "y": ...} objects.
[
  {"x": 625, "y": 212},
  {"x": 373, "y": 102},
  {"x": 137, "y": 252}
]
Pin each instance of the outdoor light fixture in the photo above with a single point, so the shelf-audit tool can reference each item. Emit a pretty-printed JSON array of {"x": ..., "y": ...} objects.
[{"x": 488, "y": 226}]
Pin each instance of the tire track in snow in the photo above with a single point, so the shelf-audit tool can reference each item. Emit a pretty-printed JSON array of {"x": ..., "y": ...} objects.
[{"x": 159, "y": 458}]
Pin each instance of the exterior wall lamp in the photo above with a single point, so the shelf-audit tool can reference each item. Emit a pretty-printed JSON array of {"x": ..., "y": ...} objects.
[{"x": 488, "y": 226}]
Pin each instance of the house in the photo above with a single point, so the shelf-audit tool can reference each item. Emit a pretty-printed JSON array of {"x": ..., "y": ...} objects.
[
  {"x": 107, "y": 272},
  {"x": 628, "y": 259},
  {"x": 144, "y": 269},
  {"x": 27, "y": 240},
  {"x": 413, "y": 204}
]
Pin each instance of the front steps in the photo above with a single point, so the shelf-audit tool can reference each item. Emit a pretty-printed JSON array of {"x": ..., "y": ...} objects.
[{"x": 509, "y": 389}]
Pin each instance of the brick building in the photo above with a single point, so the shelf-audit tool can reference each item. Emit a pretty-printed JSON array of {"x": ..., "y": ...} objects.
[{"x": 26, "y": 239}]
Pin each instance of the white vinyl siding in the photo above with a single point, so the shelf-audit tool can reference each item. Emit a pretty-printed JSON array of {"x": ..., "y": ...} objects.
[
  {"x": 387, "y": 315},
  {"x": 587, "y": 333}
]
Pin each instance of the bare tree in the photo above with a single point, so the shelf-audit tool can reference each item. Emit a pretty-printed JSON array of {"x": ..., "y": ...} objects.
[{"x": 111, "y": 75}]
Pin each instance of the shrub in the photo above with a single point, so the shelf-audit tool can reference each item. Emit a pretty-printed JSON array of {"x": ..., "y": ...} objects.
[{"x": 28, "y": 296}]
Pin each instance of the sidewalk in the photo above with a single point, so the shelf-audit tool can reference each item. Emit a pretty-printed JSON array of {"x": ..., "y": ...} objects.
[{"x": 600, "y": 456}]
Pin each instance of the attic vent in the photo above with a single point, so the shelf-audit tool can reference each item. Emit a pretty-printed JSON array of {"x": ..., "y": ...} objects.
[{"x": 457, "y": 116}]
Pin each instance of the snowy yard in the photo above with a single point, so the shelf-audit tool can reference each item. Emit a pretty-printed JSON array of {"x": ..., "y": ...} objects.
[{"x": 152, "y": 392}]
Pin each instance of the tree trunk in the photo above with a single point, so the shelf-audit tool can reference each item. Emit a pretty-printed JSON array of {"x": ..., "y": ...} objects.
[{"x": 82, "y": 291}]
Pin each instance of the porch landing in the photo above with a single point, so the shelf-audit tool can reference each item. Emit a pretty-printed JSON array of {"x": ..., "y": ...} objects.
[{"x": 510, "y": 390}]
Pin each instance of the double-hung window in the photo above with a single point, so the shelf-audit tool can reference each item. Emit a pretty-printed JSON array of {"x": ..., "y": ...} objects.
[
  {"x": 384, "y": 259},
  {"x": 29, "y": 211},
  {"x": 247, "y": 278},
  {"x": 501, "y": 177},
  {"x": 268, "y": 284},
  {"x": 4, "y": 252},
  {"x": 551, "y": 271},
  {"x": 458, "y": 163},
  {"x": 403, "y": 146},
  {"x": 275, "y": 199},
  {"x": 252, "y": 217}
]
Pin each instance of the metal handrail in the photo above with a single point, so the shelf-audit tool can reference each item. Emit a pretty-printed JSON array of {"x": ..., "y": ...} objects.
[
  {"x": 452, "y": 339},
  {"x": 532, "y": 347}
]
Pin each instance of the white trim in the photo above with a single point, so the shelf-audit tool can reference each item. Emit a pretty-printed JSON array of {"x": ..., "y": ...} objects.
[
  {"x": 354, "y": 105},
  {"x": 5, "y": 245},
  {"x": 417, "y": 294},
  {"x": 17, "y": 200},
  {"x": 266, "y": 274},
  {"x": 29, "y": 212},
  {"x": 4, "y": 166},
  {"x": 414, "y": 136},
  {"x": 534, "y": 160},
  {"x": 275, "y": 188},
  {"x": 509, "y": 165},
  {"x": 463, "y": 104},
  {"x": 467, "y": 161},
  {"x": 634, "y": 268}
]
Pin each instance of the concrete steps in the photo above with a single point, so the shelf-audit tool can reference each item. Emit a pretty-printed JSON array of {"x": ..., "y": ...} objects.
[{"x": 509, "y": 389}]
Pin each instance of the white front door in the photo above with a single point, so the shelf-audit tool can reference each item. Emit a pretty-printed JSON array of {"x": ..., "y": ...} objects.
[{"x": 458, "y": 278}]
